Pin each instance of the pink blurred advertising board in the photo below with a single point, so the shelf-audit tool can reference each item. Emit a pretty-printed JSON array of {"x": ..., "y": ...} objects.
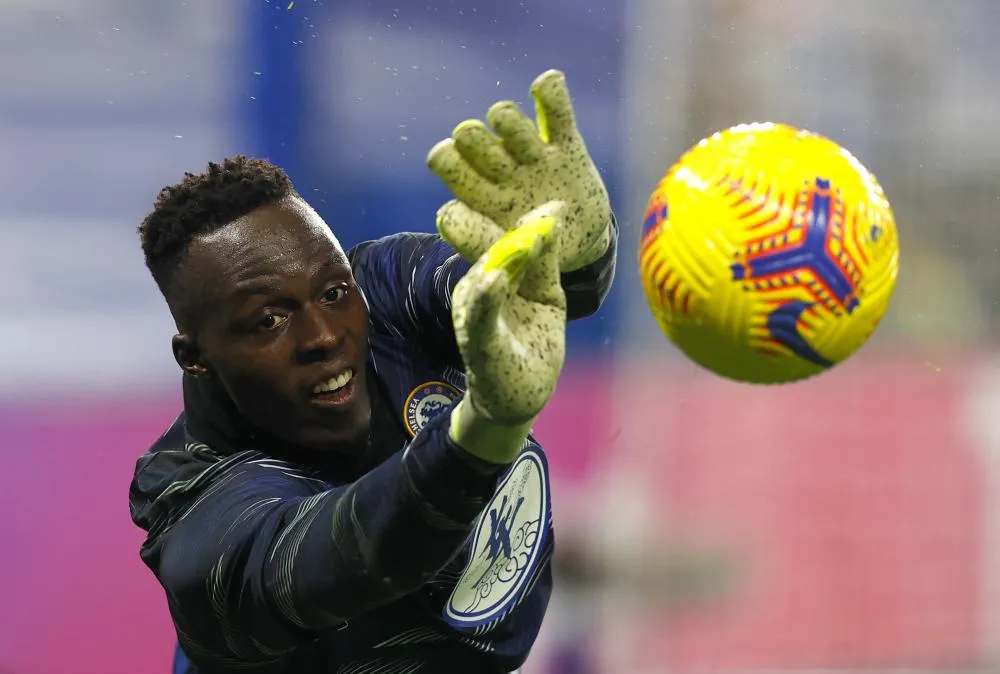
[{"x": 855, "y": 502}]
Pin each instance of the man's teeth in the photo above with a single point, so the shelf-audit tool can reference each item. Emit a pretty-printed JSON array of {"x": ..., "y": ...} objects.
[{"x": 334, "y": 383}]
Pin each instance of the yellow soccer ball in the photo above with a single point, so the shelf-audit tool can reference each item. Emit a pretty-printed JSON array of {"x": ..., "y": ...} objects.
[{"x": 769, "y": 254}]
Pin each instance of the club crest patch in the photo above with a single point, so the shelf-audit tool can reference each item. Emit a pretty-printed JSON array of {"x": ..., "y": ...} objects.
[
  {"x": 507, "y": 546},
  {"x": 426, "y": 402}
]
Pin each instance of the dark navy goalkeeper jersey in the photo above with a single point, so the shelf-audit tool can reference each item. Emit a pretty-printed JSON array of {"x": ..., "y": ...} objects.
[{"x": 412, "y": 556}]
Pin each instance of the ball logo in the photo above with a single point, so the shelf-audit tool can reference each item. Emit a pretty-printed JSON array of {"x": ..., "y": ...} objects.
[
  {"x": 426, "y": 402},
  {"x": 506, "y": 548}
]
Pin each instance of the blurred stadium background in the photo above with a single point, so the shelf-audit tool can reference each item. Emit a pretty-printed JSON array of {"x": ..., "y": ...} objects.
[{"x": 843, "y": 524}]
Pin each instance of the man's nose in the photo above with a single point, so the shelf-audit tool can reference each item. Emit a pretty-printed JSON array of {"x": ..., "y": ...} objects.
[{"x": 319, "y": 334}]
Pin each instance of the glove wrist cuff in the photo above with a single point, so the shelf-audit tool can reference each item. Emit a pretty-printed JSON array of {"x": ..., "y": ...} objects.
[{"x": 484, "y": 438}]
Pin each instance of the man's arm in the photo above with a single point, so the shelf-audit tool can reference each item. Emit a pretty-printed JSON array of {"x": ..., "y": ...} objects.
[
  {"x": 259, "y": 561},
  {"x": 409, "y": 278}
]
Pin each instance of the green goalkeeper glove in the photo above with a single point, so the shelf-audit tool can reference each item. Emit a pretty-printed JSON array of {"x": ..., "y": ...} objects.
[
  {"x": 507, "y": 175},
  {"x": 509, "y": 312}
]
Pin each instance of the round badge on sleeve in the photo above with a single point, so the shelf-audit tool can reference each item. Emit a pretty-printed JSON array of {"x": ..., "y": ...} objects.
[
  {"x": 426, "y": 402},
  {"x": 507, "y": 547}
]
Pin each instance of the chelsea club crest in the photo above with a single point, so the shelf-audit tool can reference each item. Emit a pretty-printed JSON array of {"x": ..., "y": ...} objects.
[
  {"x": 507, "y": 548},
  {"x": 426, "y": 402}
]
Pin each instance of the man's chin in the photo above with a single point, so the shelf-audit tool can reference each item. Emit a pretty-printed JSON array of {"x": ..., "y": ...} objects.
[{"x": 346, "y": 433}]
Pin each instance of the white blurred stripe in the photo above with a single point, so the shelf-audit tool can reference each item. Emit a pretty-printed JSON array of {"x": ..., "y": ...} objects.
[
  {"x": 983, "y": 423},
  {"x": 124, "y": 352},
  {"x": 80, "y": 311},
  {"x": 657, "y": 86}
]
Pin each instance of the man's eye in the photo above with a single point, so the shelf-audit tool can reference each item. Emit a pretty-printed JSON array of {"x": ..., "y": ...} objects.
[
  {"x": 271, "y": 321},
  {"x": 335, "y": 294}
]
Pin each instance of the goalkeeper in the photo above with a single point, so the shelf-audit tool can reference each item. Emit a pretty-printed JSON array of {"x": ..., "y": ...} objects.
[{"x": 352, "y": 485}]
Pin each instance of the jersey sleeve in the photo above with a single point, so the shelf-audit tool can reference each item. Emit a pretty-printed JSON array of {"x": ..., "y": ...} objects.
[
  {"x": 408, "y": 279},
  {"x": 261, "y": 556}
]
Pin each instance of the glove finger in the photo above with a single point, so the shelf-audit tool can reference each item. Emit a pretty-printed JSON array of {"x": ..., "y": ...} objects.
[
  {"x": 483, "y": 150},
  {"x": 461, "y": 178},
  {"x": 554, "y": 108},
  {"x": 475, "y": 307},
  {"x": 469, "y": 232},
  {"x": 515, "y": 250},
  {"x": 541, "y": 282},
  {"x": 518, "y": 133}
]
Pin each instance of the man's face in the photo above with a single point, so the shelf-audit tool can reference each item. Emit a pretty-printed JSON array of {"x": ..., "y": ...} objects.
[{"x": 283, "y": 326}]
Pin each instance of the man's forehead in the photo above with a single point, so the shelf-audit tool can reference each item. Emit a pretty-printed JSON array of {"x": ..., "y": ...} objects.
[
  {"x": 283, "y": 238},
  {"x": 289, "y": 222}
]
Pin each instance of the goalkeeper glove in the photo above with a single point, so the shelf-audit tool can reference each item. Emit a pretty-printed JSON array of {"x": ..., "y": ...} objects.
[
  {"x": 509, "y": 313},
  {"x": 504, "y": 176}
]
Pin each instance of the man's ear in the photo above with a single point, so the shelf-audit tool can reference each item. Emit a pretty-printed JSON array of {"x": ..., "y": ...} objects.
[{"x": 188, "y": 355}]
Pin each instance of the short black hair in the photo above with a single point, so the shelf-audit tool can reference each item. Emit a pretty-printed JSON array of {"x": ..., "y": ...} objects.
[{"x": 202, "y": 203}]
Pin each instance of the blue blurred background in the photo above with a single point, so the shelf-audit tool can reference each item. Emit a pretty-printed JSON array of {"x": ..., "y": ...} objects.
[
  {"x": 846, "y": 523},
  {"x": 108, "y": 102}
]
